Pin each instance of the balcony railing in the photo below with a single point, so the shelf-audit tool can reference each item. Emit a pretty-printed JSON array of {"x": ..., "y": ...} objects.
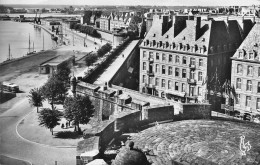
[
  {"x": 192, "y": 81},
  {"x": 151, "y": 86},
  {"x": 192, "y": 66},
  {"x": 150, "y": 73}
]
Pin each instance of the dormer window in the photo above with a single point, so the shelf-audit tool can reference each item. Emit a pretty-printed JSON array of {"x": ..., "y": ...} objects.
[
  {"x": 167, "y": 44},
  {"x": 167, "y": 36},
  {"x": 180, "y": 45},
  {"x": 255, "y": 45},
  {"x": 154, "y": 35},
  {"x": 147, "y": 42},
  {"x": 204, "y": 48},
  {"x": 187, "y": 46},
  {"x": 251, "y": 56},
  {"x": 173, "y": 45},
  {"x": 183, "y": 38},
  {"x": 195, "y": 48},
  {"x": 203, "y": 39},
  {"x": 240, "y": 54}
]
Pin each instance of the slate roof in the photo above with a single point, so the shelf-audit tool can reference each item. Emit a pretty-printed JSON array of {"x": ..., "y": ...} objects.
[
  {"x": 210, "y": 32},
  {"x": 251, "y": 43}
]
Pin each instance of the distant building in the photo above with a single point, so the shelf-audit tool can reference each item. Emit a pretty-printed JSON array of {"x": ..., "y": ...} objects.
[
  {"x": 246, "y": 73},
  {"x": 104, "y": 21},
  {"x": 250, "y": 11},
  {"x": 187, "y": 59}
]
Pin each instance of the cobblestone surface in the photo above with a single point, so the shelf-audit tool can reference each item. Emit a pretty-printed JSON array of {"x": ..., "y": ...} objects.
[{"x": 199, "y": 142}]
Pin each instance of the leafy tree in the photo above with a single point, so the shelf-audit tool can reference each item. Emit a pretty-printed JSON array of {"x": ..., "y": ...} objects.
[
  {"x": 49, "y": 118},
  {"x": 35, "y": 98},
  {"x": 104, "y": 49},
  {"x": 54, "y": 90},
  {"x": 90, "y": 59},
  {"x": 78, "y": 109},
  {"x": 63, "y": 72}
]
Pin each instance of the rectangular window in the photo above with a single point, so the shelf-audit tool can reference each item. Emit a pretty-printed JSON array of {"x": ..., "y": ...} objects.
[
  {"x": 156, "y": 82},
  {"x": 144, "y": 54},
  {"x": 240, "y": 55},
  {"x": 192, "y": 74},
  {"x": 258, "y": 87},
  {"x": 258, "y": 103},
  {"x": 238, "y": 99},
  {"x": 192, "y": 90},
  {"x": 176, "y": 86},
  {"x": 251, "y": 56},
  {"x": 259, "y": 72},
  {"x": 144, "y": 65},
  {"x": 249, "y": 85},
  {"x": 177, "y": 72},
  {"x": 170, "y": 70},
  {"x": 192, "y": 61},
  {"x": 163, "y": 69},
  {"x": 157, "y": 68},
  {"x": 163, "y": 57},
  {"x": 170, "y": 58},
  {"x": 150, "y": 54},
  {"x": 144, "y": 79},
  {"x": 150, "y": 80},
  {"x": 248, "y": 101},
  {"x": 239, "y": 68},
  {"x": 183, "y": 73},
  {"x": 157, "y": 56},
  {"x": 200, "y": 62},
  {"x": 250, "y": 70},
  {"x": 184, "y": 61},
  {"x": 199, "y": 91},
  {"x": 200, "y": 76},
  {"x": 163, "y": 83},
  {"x": 177, "y": 59},
  {"x": 169, "y": 84},
  {"x": 183, "y": 87},
  {"x": 238, "y": 83}
]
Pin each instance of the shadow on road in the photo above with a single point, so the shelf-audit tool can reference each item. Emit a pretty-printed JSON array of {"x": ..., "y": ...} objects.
[{"x": 68, "y": 135}]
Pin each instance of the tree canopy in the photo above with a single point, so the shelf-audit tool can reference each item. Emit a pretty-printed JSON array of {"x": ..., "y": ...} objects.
[
  {"x": 78, "y": 109},
  {"x": 90, "y": 59},
  {"x": 49, "y": 118},
  {"x": 35, "y": 97}
]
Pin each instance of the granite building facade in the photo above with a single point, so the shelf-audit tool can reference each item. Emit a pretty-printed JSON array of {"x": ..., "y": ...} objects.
[
  {"x": 184, "y": 58},
  {"x": 246, "y": 73}
]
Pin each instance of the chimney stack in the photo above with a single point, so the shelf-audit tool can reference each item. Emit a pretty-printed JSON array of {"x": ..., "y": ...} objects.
[{"x": 197, "y": 26}]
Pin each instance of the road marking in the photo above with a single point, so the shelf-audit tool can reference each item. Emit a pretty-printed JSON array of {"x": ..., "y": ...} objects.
[
  {"x": 45, "y": 145},
  {"x": 17, "y": 158}
]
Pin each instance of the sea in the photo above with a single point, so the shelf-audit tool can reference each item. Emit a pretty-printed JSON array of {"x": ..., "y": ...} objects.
[{"x": 17, "y": 34}]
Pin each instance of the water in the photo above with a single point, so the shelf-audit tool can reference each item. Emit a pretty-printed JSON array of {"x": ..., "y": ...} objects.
[{"x": 17, "y": 35}]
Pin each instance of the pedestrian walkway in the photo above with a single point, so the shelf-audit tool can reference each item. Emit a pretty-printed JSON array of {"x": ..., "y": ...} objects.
[{"x": 109, "y": 72}]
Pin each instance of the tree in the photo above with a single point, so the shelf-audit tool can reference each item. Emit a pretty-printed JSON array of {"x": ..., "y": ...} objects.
[
  {"x": 35, "y": 98},
  {"x": 90, "y": 59},
  {"x": 78, "y": 109},
  {"x": 49, "y": 118},
  {"x": 54, "y": 90},
  {"x": 63, "y": 72}
]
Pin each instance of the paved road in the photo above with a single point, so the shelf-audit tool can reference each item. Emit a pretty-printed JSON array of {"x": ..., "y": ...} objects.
[{"x": 12, "y": 145}]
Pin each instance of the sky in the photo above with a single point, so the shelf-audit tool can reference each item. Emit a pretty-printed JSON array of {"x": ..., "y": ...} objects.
[{"x": 138, "y": 2}]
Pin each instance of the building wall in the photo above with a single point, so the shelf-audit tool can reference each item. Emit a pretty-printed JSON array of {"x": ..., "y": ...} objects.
[
  {"x": 104, "y": 23},
  {"x": 243, "y": 92},
  {"x": 156, "y": 69}
]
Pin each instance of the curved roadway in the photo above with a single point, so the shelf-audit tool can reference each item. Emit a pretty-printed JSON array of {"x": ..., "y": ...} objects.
[{"x": 12, "y": 145}]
